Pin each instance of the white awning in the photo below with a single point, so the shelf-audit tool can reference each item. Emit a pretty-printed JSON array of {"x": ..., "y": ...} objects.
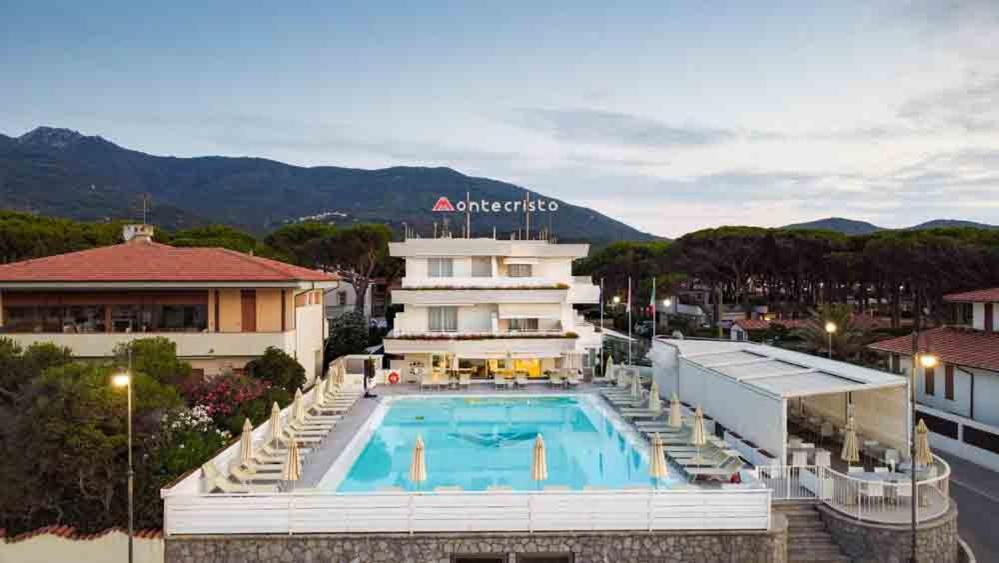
[{"x": 548, "y": 311}]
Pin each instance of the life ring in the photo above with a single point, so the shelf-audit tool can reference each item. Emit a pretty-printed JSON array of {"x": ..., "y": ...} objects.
[{"x": 393, "y": 378}]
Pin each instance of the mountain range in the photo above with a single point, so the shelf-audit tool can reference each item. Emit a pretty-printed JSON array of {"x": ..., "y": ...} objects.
[
  {"x": 854, "y": 227},
  {"x": 60, "y": 172}
]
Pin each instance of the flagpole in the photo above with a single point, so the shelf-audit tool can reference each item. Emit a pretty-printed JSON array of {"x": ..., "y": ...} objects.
[
  {"x": 655, "y": 317},
  {"x": 629, "y": 320}
]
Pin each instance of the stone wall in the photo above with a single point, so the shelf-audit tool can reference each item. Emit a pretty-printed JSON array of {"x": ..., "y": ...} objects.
[
  {"x": 936, "y": 541},
  {"x": 587, "y": 547}
]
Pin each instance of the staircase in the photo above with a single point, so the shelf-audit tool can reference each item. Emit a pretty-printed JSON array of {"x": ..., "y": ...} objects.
[{"x": 807, "y": 538}]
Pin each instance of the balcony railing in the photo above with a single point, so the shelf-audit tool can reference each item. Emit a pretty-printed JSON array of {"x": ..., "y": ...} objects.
[{"x": 478, "y": 335}]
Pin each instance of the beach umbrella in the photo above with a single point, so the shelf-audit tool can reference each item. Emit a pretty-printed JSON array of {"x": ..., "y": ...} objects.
[
  {"x": 657, "y": 464},
  {"x": 246, "y": 443},
  {"x": 636, "y": 387},
  {"x": 675, "y": 420},
  {"x": 418, "y": 467},
  {"x": 275, "y": 428},
  {"x": 851, "y": 451},
  {"x": 655, "y": 405},
  {"x": 539, "y": 466},
  {"x": 924, "y": 456},
  {"x": 298, "y": 407},
  {"x": 697, "y": 435},
  {"x": 292, "y": 470},
  {"x": 609, "y": 368}
]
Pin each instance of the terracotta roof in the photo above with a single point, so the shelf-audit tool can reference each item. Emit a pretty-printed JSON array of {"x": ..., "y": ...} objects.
[
  {"x": 70, "y": 533},
  {"x": 965, "y": 347},
  {"x": 141, "y": 261},
  {"x": 977, "y": 296}
]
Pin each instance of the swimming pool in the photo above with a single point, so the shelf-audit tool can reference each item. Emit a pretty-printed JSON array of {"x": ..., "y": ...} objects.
[{"x": 475, "y": 442}]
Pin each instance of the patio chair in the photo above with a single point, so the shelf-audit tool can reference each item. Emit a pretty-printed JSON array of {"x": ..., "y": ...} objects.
[
  {"x": 573, "y": 377},
  {"x": 244, "y": 476},
  {"x": 825, "y": 431},
  {"x": 799, "y": 458},
  {"x": 521, "y": 380},
  {"x": 464, "y": 380},
  {"x": 213, "y": 480},
  {"x": 555, "y": 379},
  {"x": 891, "y": 458},
  {"x": 500, "y": 381},
  {"x": 854, "y": 469}
]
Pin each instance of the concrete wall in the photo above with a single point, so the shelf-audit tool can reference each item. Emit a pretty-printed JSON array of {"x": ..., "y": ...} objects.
[
  {"x": 588, "y": 547},
  {"x": 309, "y": 336},
  {"x": 959, "y": 447},
  {"x": 936, "y": 541},
  {"x": 230, "y": 310},
  {"x": 986, "y": 395},
  {"x": 268, "y": 310},
  {"x": 978, "y": 316},
  {"x": 108, "y": 548}
]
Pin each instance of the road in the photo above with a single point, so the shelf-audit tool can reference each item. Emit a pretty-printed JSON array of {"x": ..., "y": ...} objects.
[{"x": 976, "y": 491}]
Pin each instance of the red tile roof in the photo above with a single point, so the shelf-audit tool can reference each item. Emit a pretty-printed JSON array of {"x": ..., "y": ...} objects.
[
  {"x": 70, "y": 533},
  {"x": 965, "y": 347},
  {"x": 142, "y": 261},
  {"x": 977, "y": 296},
  {"x": 762, "y": 324}
]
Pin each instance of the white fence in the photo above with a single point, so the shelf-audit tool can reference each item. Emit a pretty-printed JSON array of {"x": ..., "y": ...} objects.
[
  {"x": 740, "y": 508},
  {"x": 887, "y": 499}
]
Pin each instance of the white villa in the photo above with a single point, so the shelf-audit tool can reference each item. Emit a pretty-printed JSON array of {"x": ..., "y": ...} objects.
[{"x": 492, "y": 305}]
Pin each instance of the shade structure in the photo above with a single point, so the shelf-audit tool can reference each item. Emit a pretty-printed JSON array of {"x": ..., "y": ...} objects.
[
  {"x": 292, "y": 470},
  {"x": 697, "y": 435},
  {"x": 657, "y": 465},
  {"x": 418, "y": 466},
  {"x": 655, "y": 405},
  {"x": 274, "y": 434},
  {"x": 246, "y": 443},
  {"x": 924, "y": 456},
  {"x": 851, "y": 450},
  {"x": 539, "y": 466},
  {"x": 675, "y": 420},
  {"x": 636, "y": 387},
  {"x": 298, "y": 406}
]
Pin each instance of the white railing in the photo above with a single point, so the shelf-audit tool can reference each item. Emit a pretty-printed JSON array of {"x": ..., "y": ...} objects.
[
  {"x": 487, "y": 511},
  {"x": 886, "y": 498},
  {"x": 469, "y": 335}
]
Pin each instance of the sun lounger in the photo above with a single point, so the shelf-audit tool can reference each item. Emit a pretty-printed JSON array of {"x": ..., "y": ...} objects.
[
  {"x": 501, "y": 382},
  {"x": 213, "y": 481},
  {"x": 521, "y": 381},
  {"x": 245, "y": 476}
]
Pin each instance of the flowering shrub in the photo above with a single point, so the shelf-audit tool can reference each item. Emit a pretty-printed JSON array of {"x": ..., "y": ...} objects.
[
  {"x": 188, "y": 438},
  {"x": 220, "y": 396}
]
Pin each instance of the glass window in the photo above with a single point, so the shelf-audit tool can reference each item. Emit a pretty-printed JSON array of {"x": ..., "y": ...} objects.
[
  {"x": 519, "y": 270},
  {"x": 440, "y": 267},
  {"x": 482, "y": 267},
  {"x": 523, "y": 324},
  {"x": 341, "y": 298},
  {"x": 443, "y": 319}
]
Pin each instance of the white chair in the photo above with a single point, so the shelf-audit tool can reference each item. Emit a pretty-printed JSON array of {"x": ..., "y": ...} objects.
[
  {"x": 826, "y": 431},
  {"x": 891, "y": 458},
  {"x": 881, "y": 470},
  {"x": 823, "y": 458},
  {"x": 799, "y": 458},
  {"x": 855, "y": 469}
]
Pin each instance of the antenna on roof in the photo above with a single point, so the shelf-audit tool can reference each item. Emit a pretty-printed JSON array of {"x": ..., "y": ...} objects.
[{"x": 468, "y": 215}]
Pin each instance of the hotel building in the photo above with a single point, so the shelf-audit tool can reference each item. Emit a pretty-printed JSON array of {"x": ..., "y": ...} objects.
[
  {"x": 492, "y": 305},
  {"x": 222, "y": 308}
]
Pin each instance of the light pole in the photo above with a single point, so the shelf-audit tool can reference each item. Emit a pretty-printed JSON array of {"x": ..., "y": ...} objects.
[
  {"x": 830, "y": 330},
  {"x": 124, "y": 379},
  {"x": 926, "y": 360}
]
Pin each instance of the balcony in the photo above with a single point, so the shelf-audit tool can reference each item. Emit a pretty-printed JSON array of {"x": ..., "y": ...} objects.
[
  {"x": 427, "y": 297},
  {"x": 189, "y": 344},
  {"x": 485, "y": 282},
  {"x": 541, "y": 343}
]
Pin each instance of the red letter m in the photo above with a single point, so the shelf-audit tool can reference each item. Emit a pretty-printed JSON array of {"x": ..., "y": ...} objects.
[{"x": 443, "y": 204}]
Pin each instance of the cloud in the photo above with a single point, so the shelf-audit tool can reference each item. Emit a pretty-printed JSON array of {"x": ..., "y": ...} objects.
[
  {"x": 590, "y": 126},
  {"x": 972, "y": 107}
]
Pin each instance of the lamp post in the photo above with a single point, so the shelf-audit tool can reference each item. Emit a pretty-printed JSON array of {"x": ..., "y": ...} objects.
[
  {"x": 124, "y": 379},
  {"x": 830, "y": 330},
  {"x": 926, "y": 360}
]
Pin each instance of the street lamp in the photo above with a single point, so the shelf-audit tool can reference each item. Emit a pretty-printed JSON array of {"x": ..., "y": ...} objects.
[
  {"x": 124, "y": 379},
  {"x": 926, "y": 360},
  {"x": 830, "y": 330},
  {"x": 617, "y": 299},
  {"x": 667, "y": 302}
]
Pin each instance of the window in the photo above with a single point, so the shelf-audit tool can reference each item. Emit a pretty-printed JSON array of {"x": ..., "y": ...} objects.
[
  {"x": 519, "y": 270},
  {"x": 949, "y": 382},
  {"x": 928, "y": 381},
  {"x": 482, "y": 267},
  {"x": 341, "y": 298},
  {"x": 523, "y": 324},
  {"x": 896, "y": 363},
  {"x": 440, "y": 268},
  {"x": 443, "y": 319}
]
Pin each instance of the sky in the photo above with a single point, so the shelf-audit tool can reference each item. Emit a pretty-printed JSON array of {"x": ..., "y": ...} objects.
[{"x": 669, "y": 116}]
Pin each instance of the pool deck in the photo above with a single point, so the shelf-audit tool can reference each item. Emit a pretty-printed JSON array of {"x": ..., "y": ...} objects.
[{"x": 319, "y": 461}]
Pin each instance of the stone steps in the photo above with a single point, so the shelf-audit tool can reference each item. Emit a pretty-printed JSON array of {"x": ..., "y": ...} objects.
[{"x": 807, "y": 539}]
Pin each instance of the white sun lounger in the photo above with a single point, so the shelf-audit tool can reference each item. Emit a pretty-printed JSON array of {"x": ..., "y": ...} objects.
[{"x": 213, "y": 480}]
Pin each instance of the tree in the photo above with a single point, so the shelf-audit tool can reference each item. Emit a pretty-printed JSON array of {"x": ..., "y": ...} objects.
[
  {"x": 277, "y": 368},
  {"x": 293, "y": 240},
  {"x": 848, "y": 340},
  {"x": 222, "y": 236},
  {"x": 19, "y": 366},
  {"x": 356, "y": 253},
  {"x": 155, "y": 357},
  {"x": 348, "y": 335}
]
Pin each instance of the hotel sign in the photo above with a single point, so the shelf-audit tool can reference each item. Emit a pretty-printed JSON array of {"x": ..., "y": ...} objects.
[{"x": 488, "y": 206}]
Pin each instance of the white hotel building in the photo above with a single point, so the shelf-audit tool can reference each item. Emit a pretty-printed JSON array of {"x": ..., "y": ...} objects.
[{"x": 492, "y": 305}]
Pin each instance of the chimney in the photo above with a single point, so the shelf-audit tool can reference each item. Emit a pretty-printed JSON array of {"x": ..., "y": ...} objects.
[{"x": 137, "y": 233}]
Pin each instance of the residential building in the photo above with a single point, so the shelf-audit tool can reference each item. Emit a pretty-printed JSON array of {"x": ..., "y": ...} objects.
[
  {"x": 959, "y": 397},
  {"x": 492, "y": 305},
  {"x": 753, "y": 329},
  {"x": 343, "y": 299},
  {"x": 222, "y": 308}
]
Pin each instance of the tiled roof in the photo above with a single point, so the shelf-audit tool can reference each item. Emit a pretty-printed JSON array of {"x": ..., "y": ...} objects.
[
  {"x": 141, "y": 261},
  {"x": 762, "y": 324},
  {"x": 977, "y": 296},
  {"x": 965, "y": 347},
  {"x": 70, "y": 533}
]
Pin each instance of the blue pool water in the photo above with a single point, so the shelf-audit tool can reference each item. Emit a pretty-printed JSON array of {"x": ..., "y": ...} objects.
[{"x": 475, "y": 442}]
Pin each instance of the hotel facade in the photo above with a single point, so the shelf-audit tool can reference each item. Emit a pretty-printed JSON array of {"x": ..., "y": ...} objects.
[
  {"x": 491, "y": 305},
  {"x": 220, "y": 307}
]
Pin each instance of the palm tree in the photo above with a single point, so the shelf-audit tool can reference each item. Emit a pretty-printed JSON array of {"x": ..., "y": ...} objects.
[{"x": 848, "y": 339}]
